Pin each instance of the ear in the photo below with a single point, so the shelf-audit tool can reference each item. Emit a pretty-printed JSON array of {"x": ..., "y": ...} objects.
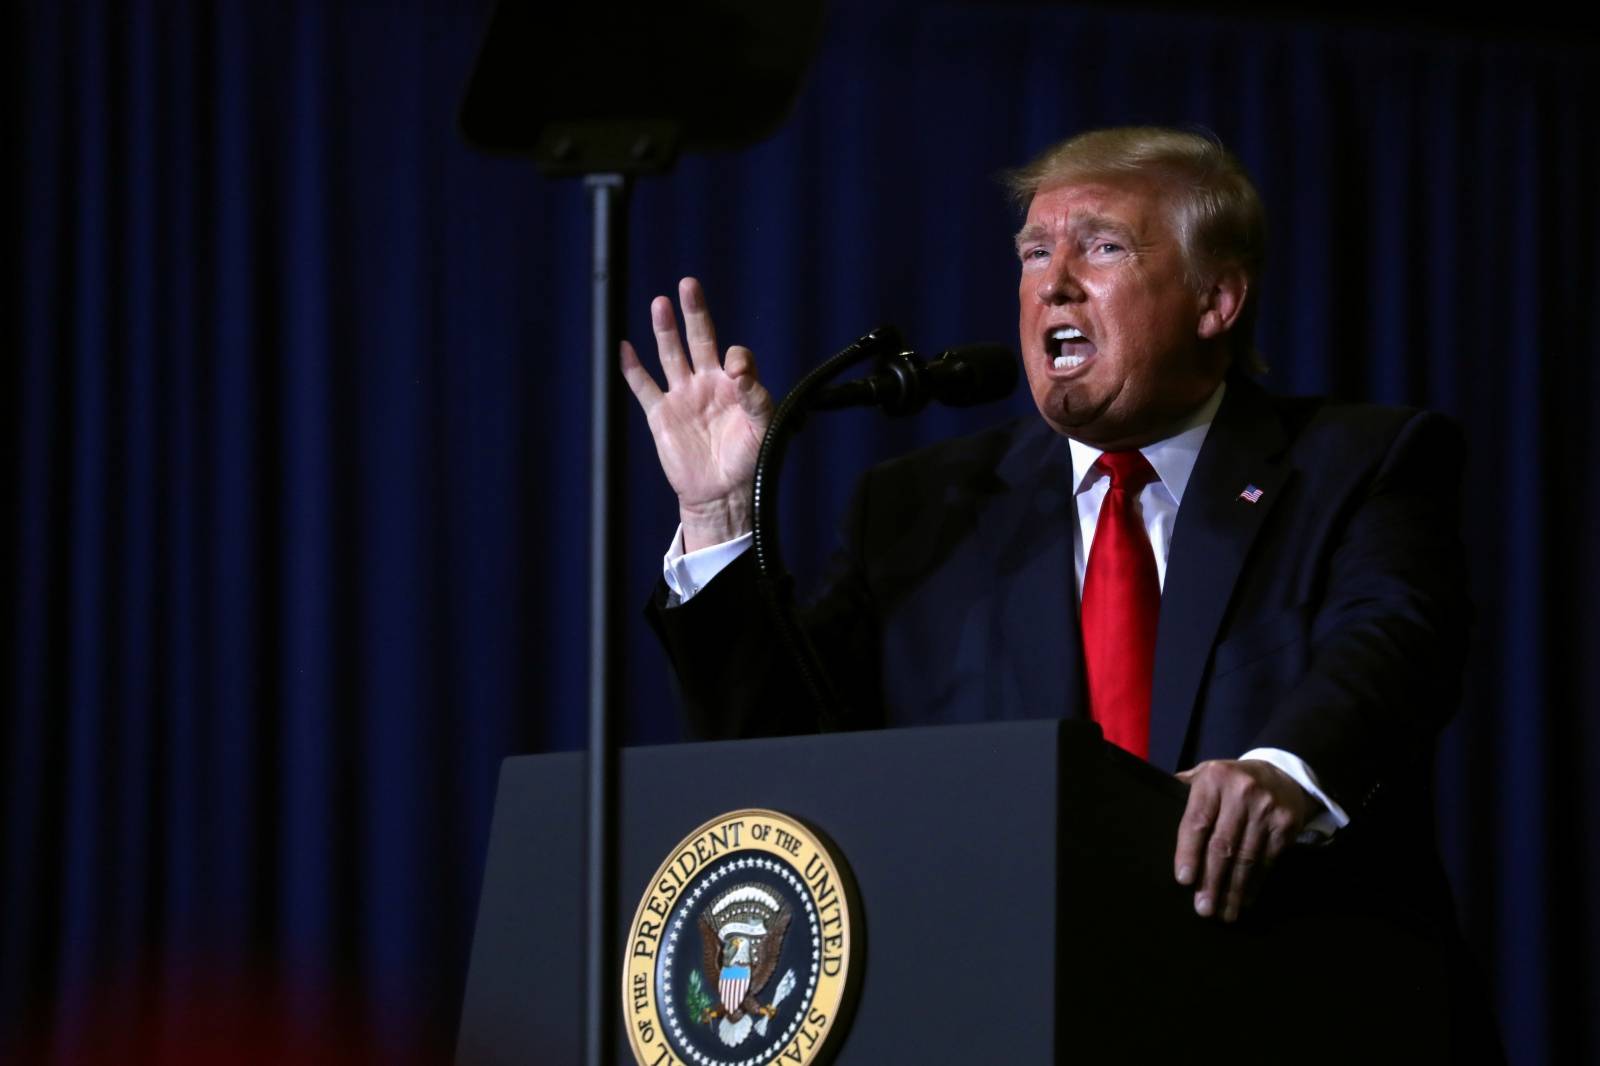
[{"x": 1221, "y": 302}]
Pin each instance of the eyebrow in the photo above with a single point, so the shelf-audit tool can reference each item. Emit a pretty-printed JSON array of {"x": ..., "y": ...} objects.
[
  {"x": 1090, "y": 223},
  {"x": 1077, "y": 226},
  {"x": 1031, "y": 232}
]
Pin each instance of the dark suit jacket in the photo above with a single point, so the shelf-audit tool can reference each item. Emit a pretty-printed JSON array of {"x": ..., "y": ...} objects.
[{"x": 1328, "y": 618}]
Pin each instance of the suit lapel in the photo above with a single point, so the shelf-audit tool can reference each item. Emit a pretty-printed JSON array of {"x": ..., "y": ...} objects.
[
  {"x": 1214, "y": 531},
  {"x": 1036, "y": 668}
]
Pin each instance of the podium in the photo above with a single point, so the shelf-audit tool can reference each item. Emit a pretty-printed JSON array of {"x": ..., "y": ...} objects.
[{"x": 1016, "y": 901}]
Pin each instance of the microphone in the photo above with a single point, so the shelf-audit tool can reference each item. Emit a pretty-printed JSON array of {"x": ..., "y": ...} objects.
[{"x": 903, "y": 384}]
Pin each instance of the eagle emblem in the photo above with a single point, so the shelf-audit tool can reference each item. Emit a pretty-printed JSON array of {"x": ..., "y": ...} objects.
[
  {"x": 744, "y": 948},
  {"x": 741, "y": 935}
]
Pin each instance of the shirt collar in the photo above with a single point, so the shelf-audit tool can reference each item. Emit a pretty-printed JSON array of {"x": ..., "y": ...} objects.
[{"x": 1173, "y": 457}]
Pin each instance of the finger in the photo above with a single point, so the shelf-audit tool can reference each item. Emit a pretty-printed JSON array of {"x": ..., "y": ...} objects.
[
  {"x": 1278, "y": 829},
  {"x": 669, "y": 346},
  {"x": 1248, "y": 865},
  {"x": 754, "y": 398},
  {"x": 697, "y": 324},
  {"x": 1194, "y": 830},
  {"x": 1281, "y": 828},
  {"x": 1281, "y": 831},
  {"x": 1220, "y": 852},
  {"x": 642, "y": 385}
]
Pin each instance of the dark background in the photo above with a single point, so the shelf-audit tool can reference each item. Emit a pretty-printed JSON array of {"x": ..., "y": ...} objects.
[{"x": 295, "y": 431}]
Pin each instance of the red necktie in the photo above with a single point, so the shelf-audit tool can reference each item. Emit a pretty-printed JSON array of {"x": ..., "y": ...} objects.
[{"x": 1121, "y": 600}]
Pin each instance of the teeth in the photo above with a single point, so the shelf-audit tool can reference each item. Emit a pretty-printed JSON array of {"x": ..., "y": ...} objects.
[
  {"x": 1067, "y": 333},
  {"x": 1067, "y": 362}
]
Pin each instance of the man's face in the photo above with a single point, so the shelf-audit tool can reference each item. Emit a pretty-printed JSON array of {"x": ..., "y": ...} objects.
[{"x": 1113, "y": 335}]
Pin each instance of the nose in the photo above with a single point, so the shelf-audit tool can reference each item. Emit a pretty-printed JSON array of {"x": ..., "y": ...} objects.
[{"x": 1058, "y": 284}]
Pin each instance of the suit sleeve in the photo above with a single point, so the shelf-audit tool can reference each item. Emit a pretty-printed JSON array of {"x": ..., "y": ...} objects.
[
  {"x": 1389, "y": 632},
  {"x": 736, "y": 678}
]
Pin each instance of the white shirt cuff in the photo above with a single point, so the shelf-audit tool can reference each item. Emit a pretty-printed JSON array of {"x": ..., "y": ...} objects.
[
  {"x": 1330, "y": 818},
  {"x": 688, "y": 573}
]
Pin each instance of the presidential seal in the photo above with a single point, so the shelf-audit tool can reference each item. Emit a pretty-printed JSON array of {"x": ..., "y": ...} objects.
[{"x": 741, "y": 951}]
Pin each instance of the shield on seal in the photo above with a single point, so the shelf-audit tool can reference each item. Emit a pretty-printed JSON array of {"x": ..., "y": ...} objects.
[{"x": 732, "y": 985}]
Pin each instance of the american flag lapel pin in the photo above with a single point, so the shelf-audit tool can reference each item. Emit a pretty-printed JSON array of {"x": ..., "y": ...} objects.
[{"x": 1250, "y": 494}]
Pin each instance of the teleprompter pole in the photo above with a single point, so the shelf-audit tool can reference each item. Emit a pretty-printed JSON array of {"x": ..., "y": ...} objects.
[
  {"x": 664, "y": 90},
  {"x": 608, "y": 195}
]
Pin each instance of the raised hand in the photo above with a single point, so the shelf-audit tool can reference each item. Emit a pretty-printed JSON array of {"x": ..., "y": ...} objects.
[{"x": 709, "y": 421}]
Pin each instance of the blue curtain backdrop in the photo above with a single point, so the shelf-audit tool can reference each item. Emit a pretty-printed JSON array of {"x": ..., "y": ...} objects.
[{"x": 295, "y": 398}]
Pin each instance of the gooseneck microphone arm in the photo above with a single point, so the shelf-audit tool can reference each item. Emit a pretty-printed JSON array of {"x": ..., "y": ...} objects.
[
  {"x": 903, "y": 384},
  {"x": 774, "y": 581}
]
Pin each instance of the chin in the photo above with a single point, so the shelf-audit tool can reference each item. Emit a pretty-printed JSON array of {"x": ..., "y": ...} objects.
[
  {"x": 1074, "y": 420},
  {"x": 1054, "y": 416}
]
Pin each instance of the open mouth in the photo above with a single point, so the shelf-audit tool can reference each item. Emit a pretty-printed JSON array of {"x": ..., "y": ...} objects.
[{"x": 1067, "y": 347}]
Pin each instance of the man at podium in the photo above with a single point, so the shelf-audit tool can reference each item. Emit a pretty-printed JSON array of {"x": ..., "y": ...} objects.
[{"x": 1264, "y": 596}]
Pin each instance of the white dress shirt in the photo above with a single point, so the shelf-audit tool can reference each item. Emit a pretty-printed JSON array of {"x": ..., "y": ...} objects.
[{"x": 1173, "y": 460}]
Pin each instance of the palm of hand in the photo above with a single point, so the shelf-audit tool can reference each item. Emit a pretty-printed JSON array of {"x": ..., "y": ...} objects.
[{"x": 705, "y": 440}]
